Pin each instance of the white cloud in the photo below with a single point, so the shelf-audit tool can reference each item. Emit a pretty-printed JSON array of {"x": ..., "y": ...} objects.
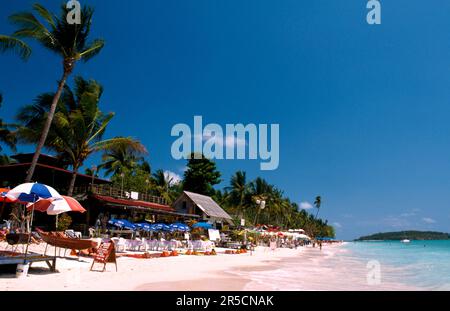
[
  {"x": 337, "y": 225},
  {"x": 428, "y": 220},
  {"x": 305, "y": 205},
  {"x": 173, "y": 177}
]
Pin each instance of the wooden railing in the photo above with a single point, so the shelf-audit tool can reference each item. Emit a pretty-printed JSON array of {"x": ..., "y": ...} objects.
[{"x": 118, "y": 193}]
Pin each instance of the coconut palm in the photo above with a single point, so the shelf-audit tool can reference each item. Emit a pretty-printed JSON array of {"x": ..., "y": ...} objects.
[
  {"x": 165, "y": 186},
  {"x": 68, "y": 41},
  {"x": 78, "y": 127},
  {"x": 317, "y": 204},
  {"x": 121, "y": 158},
  {"x": 239, "y": 190}
]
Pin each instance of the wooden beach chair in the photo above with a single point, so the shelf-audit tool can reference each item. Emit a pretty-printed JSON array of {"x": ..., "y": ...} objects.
[{"x": 105, "y": 254}]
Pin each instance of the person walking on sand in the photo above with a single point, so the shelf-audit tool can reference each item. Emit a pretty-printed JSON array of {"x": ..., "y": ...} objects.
[{"x": 320, "y": 245}]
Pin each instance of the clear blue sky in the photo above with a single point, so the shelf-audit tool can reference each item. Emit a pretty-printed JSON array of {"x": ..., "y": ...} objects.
[{"x": 363, "y": 110}]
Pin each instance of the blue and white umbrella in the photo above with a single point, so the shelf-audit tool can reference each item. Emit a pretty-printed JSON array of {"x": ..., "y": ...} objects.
[
  {"x": 160, "y": 227},
  {"x": 122, "y": 223},
  {"x": 179, "y": 227},
  {"x": 32, "y": 192},
  {"x": 144, "y": 226},
  {"x": 203, "y": 225}
]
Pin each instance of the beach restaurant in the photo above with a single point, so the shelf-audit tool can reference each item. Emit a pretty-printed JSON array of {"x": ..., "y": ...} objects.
[
  {"x": 97, "y": 195},
  {"x": 205, "y": 207}
]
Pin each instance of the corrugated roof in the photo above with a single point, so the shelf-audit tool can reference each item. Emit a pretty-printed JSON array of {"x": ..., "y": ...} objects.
[{"x": 208, "y": 205}]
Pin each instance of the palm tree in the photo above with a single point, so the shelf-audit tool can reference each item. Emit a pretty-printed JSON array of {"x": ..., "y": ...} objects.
[
  {"x": 78, "y": 128},
  {"x": 70, "y": 42},
  {"x": 317, "y": 203},
  {"x": 239, "y": 189},
  {"x": 16, "y": 45},
  {"x": 161, "y": 184},
  {"x": 7, "y": 136},
  {"x": 121, "y": 158}
]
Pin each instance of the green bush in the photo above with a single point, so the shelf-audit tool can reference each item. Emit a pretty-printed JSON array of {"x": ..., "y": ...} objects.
[{"x": 64, "y": 222}]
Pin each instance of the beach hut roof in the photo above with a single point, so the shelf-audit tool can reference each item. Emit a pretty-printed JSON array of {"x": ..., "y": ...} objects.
[{"x": 207, "y": 205}]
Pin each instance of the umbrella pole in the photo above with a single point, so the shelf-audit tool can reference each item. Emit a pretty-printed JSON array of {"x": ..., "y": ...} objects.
[{"x": 29, "y": 237}]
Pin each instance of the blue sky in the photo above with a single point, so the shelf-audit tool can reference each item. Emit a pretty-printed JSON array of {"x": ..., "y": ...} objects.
[{"x": 363, "y": 110}]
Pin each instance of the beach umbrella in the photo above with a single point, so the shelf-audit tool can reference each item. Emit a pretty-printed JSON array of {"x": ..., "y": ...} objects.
[
  {"x": 122, "y": 223},
  {"x": 144, "y": 226},
  {"x": 203, "y": 225},
  {"x": 33, "y": 192},
  {"x": 160, "y": 227},
  {"x": 4, "y": 198},
  {"x": 56, "y": 207},
  {"x": 179, "y": 227}
]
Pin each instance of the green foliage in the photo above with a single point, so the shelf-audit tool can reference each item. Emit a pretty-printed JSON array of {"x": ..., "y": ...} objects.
[
  {"x": 64, "y": 222},
  {"x": 410, "y": 235},
  {"x": 239, "y": 199},
  {"x": 78, "y": 125},
  {"x": 7, "y": 136},
  {"x": 201, "y": 175},
  {"x": 17, "y": 46},
  {"x": 54, "y": 33},
  {"x": 133, "y": 180}
]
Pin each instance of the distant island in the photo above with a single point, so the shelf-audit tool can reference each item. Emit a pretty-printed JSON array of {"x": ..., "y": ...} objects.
[{"x": 410, "y": 235}]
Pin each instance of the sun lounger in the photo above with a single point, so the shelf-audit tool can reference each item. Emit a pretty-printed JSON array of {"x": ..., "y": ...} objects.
[{"x": 59, "y": 239}]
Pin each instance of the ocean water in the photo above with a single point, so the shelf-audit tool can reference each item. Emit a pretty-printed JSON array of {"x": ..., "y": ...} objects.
[
  {"x": 424, "y": 264},
  {"x": 419, "y": 265}
]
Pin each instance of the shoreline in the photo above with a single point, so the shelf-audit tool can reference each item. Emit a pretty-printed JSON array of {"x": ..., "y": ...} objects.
[{"x": 305, "y": 268}]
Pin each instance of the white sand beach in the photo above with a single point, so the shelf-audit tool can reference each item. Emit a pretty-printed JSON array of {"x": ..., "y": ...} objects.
[{"x": 190, "y": 273}]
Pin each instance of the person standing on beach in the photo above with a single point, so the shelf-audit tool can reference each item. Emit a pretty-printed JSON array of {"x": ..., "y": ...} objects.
[{"x": 320, "y": 245}]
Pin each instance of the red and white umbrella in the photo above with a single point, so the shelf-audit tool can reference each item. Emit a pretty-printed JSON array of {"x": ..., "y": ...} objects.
[
  {"x": 4, "y": 197},
  {"x": 56, "y": 207}
]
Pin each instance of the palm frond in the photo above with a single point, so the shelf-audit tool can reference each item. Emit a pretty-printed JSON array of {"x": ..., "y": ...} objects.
[
  {"x": 16, "y": 45},
  {"x": 45, "y": 14},
  {"x": 92, "y": 49}
]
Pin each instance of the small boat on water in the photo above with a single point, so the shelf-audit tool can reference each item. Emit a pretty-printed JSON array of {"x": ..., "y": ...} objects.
[{"x": 405, "y": 241}]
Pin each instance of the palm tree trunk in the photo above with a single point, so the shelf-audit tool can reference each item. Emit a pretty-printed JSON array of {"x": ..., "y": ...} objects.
[
  {"x": 47, "y": 125},
  {"x": 72, "y": 180}
]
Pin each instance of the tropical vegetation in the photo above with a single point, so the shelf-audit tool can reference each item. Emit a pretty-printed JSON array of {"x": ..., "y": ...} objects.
[
  {"x": 78, "y": 127},
  {"x": 69, "y": 42},
  {"x": 70, "y": 123}
]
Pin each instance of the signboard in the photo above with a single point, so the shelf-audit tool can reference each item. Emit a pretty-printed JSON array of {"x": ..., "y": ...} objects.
[
  {"x": 214, "y": 234},
  {"x": 243, "y": 222},
  {"x": 106, "y": 252}
]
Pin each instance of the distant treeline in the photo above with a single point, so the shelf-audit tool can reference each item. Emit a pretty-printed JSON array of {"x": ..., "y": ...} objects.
[{"x": 410, "y": 235}]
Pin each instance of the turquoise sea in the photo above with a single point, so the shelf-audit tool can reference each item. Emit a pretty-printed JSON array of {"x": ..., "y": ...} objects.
[
  {"x": 424, "y": 264},
  {"x": 418, "y": 265}
]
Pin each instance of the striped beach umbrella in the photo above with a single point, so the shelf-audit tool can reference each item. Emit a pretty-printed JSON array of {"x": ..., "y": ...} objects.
[
  {"x": 33, "y": 192},
  {"x": 56, "y": 207}
]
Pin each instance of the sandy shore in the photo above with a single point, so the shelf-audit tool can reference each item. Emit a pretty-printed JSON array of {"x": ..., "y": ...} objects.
[
  {"x": 171, "y": 273},
  {"x": 282, "y": 269}
]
